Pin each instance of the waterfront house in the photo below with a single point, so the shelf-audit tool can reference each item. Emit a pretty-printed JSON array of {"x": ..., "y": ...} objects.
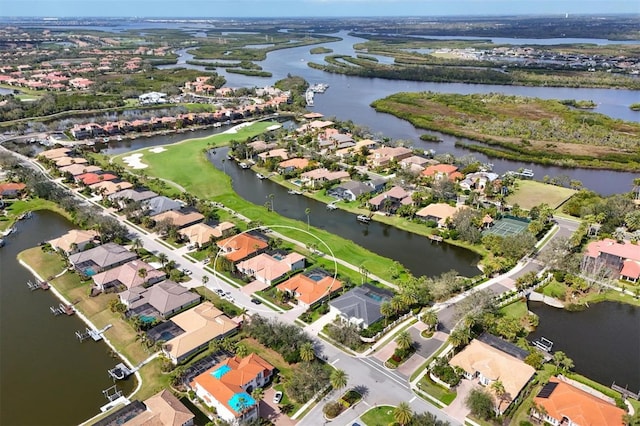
[
  {"x": 152, "y": 98},
  {"x": 127, "y": 196},
  {"x": 74, "y": 241},
  {"x": 292, "y": 164},
  {"x": 261, "y": 146},
  {"x": 391, "y": 200},
  {"x": 106, "y": 188},
  {"x": 11, "y": 189},
  {"x": 162, "y": 409},
  {"x": 128, "y": 276},
  {"x": 200, "y": 325},
  {"x": 561, "y": 403},
  {"x": 160, "y": 204},
  {"x": 317, "y": 177},
  {"x": 79, "y": 169},
  {"x": 385, "y": 155},
  {"x": 100, "y": 258},
  {"x": 279, "y": 153},
  {"x": 621, "y": 260},
  {"x": 228, "y": 387},
  {"x": 442, "y": 171},
  {"x": 88, "y": 179},
  {"x": 52, "y": 154},
  {"x": 349, "y": 190},
  {"x": 202, "y": 234},
  {"x": 360, "y": 305},
  {"x": 267, "y": 268},
  {"x": 486, "y": 363},
  {"x": 241, "y": 246},
  {"x": 415, "y": 163},
  {"x": 308, "y": 290},
  {"x": 161, "y": 300},
  {"x": 179, "y": 219},
  {"x": 438, "y": 212},
  {"x": 67, "y": 161},
  {"x": 478, "y": 181}
]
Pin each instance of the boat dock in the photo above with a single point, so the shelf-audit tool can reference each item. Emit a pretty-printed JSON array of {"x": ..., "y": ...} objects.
[
  {"x": 363, "y": 218},
  {"x": 331, "y": 206},
  {"x": 294, "y": 192},
  {"x": 96, "y": 335},
  {"x": 120, "y": 372},
  {"x": 62, "y": 309},
  {"x": 38, "y": 285}
]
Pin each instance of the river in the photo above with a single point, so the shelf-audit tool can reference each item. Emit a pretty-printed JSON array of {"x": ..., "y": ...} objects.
[
  {"x": 417, "y": 253},
  {"x": 603, "y": 341},
  {"x": 348, "y": 98},
  {"x": 48, "y": 377}
]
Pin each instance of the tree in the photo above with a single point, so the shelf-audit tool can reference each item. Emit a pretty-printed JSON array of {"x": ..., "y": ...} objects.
[
  {"x": 205, "y": 279},
  {"x": 137, "y": 245},
  {"x": 498, "y": 388},
  {"x": 163, "y": 258},
  {"x": 257, "y": 394},
  {"x": 307, "y": 352},
  {"x": 480, "y": 403},
  {"x": 562, "y": 361},
  {"x": 535, "y": 359},
  {"x": 142, "y": 273},
  {"x": 338, "y": 379},
  {"x": 460, "y": 336},
  {"x": 387, "y": 311},
  {"x": 430, "y": 318},
  {"x": 404, "y": 340},
  {"x": 241, "y": 351},
  {"x": 307, "y": 211},
  {"x": 403, "y": 413}
]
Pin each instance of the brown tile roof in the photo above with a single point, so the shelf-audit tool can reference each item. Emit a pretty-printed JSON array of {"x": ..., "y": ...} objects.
[
  {"x": 93, "y": 178},
  {"x": 67, "y": 161},
  {"x": 579, "y": 406},
  {"x": 240, "y": 246},
  {"x": 163, "y": 409},
  {"x": 269, "y": 267},
  {"x": 111, "y": 187},
  {"x": 55, "y": 153},
  {"x": 495, "y": 365},
  {"x": 179, "y": 219},
  {"x": 201, "y": 324},
  {"x": 74, "y": 236},
  {"x": 128, "y": 274},
  {"x": 78, "y": 169},
  {"x": 298, "y": 163}
]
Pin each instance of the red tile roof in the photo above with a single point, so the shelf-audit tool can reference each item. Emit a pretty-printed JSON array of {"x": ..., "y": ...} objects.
[
  {"x": 240, "y": 246},
  {"x": 612, "y": 247},
  {"x": 92, "y": 178}
]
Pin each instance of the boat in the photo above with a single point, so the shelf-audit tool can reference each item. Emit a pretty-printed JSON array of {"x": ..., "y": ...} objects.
[
  {"x": 119, "y": 138},
  {"x": 363, "y": 218},
  {"x": 105, "y": 140},
  {"x": 308, "y": 96},
  {"x": 120, "y": 372},
  {"x": 331, "y": 206},
  {"x": 294, "y": 192},
  {"x": 244, "y": 165},
  {"x": 260, "y": 176}
]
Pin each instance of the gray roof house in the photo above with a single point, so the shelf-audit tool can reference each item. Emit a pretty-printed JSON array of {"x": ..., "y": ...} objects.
[
  {"x": 101, "y": 258},
  {"x": 350, "y": 190},
  {"x": 131, "y": 196},
  {"x": 160, "y": 204},
  {"x": 161, "y": 300},
  {"x": 360, "y": 305}
]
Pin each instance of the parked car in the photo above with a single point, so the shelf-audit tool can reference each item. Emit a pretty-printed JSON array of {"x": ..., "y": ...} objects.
[
  {"x": 256, "y": 301},
  {"x": 187, "y": 272},
  {"x": 277, "y": 397}
]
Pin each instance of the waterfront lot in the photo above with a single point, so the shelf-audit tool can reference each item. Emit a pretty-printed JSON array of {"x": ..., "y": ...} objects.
[{"x": 530, "y": 193}]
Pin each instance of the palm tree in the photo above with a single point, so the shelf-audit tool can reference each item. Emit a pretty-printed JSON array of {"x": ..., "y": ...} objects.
[
  {"x": 137, "y": 245},
  {"x": 387, "y": 311},
  {"x": 499, "y": 390},
  {"x": 404, "y": 340},
  {"x": 257, "y": 394},
  {"x": 460, "y": 336},
  {"x": 307, "y": 353},
  {"x": 430, "y": 318},
  {"x": 162, "y": 257},
  {"x": 241, "y": 351},
  {"x": 205, "y": 279},
  {"x": 142, "y": 273},
  {"x": 562, "y": 361},
  {"x": 338, "y": 379},
  {"x": 307, "y": 211},
  {"x": 403, "y": 413}
]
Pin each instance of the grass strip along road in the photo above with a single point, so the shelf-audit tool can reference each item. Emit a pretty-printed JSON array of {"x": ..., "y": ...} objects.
[{"x": 186, "y": 164}]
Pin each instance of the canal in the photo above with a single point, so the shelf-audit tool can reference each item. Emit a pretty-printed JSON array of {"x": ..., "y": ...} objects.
[
  {"x": 417, "y": 253},
  {"x": 48, "y": 377},
  {"x": 603, "y": 341}
]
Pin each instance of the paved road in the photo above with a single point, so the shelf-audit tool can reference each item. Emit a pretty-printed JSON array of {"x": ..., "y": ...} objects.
[{"x": 379, "y": 385}]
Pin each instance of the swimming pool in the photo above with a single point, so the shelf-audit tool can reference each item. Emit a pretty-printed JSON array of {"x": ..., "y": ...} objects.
[
  {"x": 89, "y": 272},
  {"x": 147, "y": 319}
]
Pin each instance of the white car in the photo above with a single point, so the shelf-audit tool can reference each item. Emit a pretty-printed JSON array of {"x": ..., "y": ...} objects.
[{"x": 277, "y": 397}]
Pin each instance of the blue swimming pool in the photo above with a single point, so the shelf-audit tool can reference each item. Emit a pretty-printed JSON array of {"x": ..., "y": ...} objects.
[
  {"x": 89, "y": 272},
  {"x": 316, "y": 277},
  {"x": 147, "y": 319},
  {"x": 166, "y": 336}
]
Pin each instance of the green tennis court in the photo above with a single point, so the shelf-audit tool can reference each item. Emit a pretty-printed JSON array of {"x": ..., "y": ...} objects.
[{"x": 507, "y": 226}]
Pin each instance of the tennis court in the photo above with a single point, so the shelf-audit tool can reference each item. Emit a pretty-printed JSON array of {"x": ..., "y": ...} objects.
[{"x": 507, "y": 226}]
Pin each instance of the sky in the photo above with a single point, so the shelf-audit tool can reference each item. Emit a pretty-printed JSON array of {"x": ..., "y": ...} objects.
[{"x": 307, "y": 8}]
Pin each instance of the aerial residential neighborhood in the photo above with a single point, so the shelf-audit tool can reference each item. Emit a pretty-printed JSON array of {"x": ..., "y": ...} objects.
[{"x": 283, "y": 213}]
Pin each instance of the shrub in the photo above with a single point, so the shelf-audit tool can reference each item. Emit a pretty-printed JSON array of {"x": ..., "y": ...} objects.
[
  {"x": 443, "y": 371},
  {"x": 332, "y": 409}
]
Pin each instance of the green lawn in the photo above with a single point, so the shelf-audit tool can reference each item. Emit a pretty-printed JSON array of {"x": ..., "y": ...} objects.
[
  {"x": 185, "y": 163},
  {"x": 530, "y": 193},
  {"x": 444, "y": 395},
  {"x": 379, "y": 416},
  {"x": 517, "y": 309},
  {"x": 555, "y": 289}
]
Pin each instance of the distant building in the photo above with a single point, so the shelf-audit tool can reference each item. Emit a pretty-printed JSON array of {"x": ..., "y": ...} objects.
[
  {"x": 152, "y": 98},
  {"x": 11, "y": 189}
]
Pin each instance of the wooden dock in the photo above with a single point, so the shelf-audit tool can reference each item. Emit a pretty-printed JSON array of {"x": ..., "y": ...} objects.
[{"x": 62, "y": 309}]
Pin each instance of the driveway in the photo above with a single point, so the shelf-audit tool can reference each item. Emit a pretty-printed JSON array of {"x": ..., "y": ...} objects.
[
  {"x": 253, "y": 286},
  {"x": 271, "y": 411},
  {"x": 457, "y": 409},
  {"x": 385, "y": 352},
  {"x": 412, "y": 364}
]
